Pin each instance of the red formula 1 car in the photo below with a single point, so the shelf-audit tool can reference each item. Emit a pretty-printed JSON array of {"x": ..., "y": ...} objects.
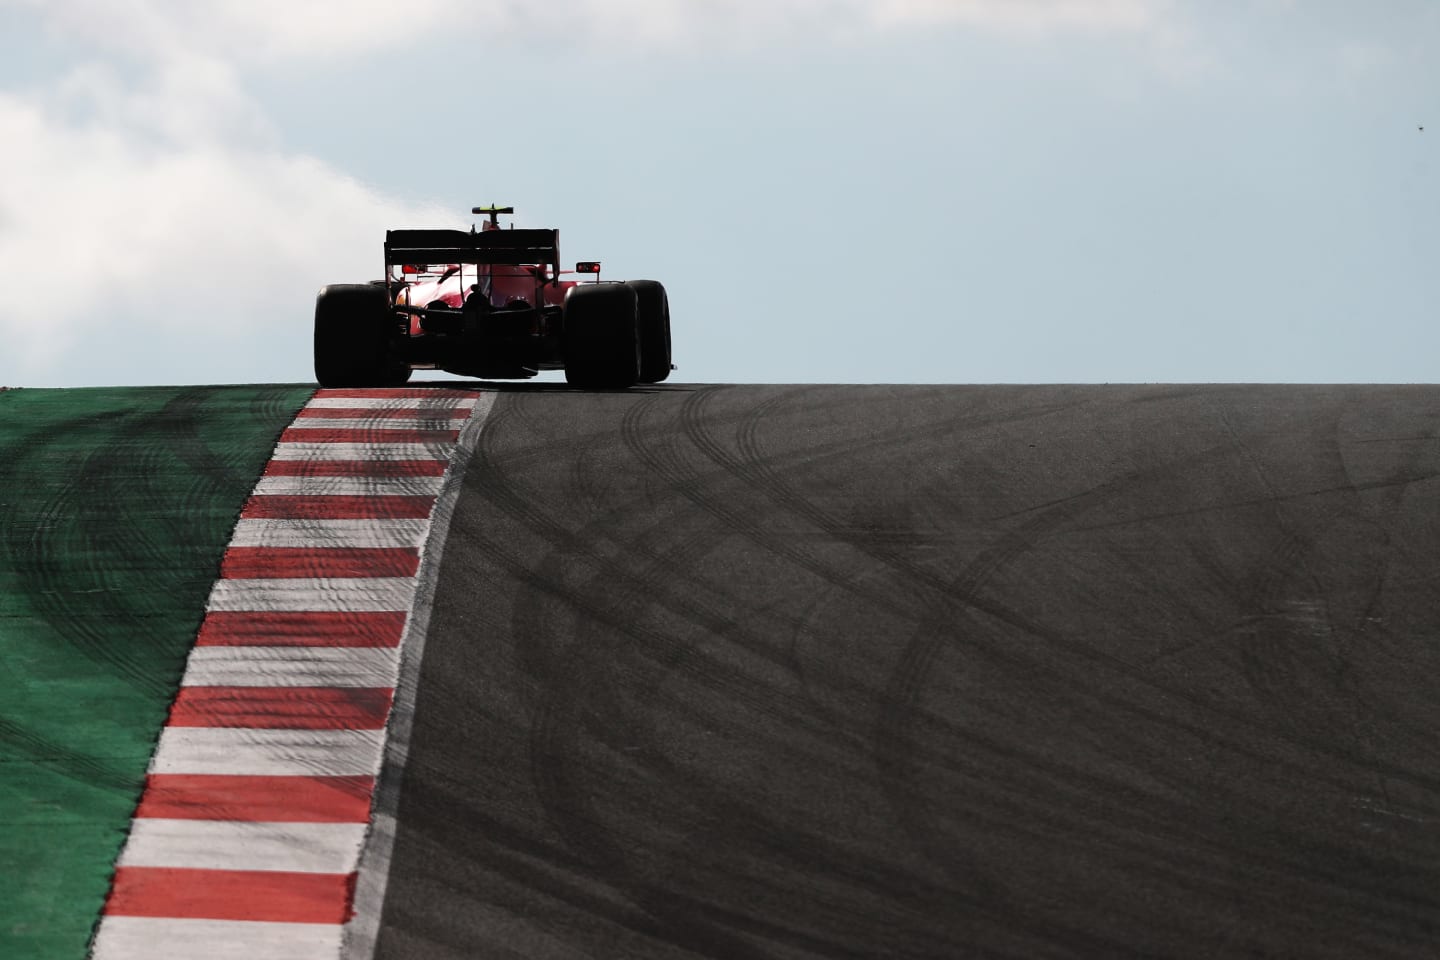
[{"x": 490, "y": 303}]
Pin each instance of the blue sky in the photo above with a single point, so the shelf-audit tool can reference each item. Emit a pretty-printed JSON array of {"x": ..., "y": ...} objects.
[{"x": 953, "y": 191}]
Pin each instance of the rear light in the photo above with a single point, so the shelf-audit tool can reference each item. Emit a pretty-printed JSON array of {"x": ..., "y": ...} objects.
[
  {"x": 409, "y": 269},
  {"x": 588, "y": 266}
]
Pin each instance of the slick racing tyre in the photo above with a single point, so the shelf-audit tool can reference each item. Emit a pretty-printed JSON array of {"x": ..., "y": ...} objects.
[
  {"x": 601, "y": 337},
  {"x": 352, "y": 326},
  {"x": 653, "y": 321}
]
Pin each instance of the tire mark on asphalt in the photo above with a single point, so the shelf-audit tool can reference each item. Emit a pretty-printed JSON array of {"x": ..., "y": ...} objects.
[
  {"x": 584, "y": 695},
  {"x": 608, "y": 626},
  {"x": 1049, "y": 800},
  {"x": 909, "y": 681},
  {"x": 1389, "y": 503},
  {"x": 491, "y": 475},
  {"x": 1301, "y": 655},
  {"x": 965, "y": 592},
  {"x": 575, "y": 704},
  {"x": 754, "y": 466},
  {"x": 1294, "y": 632}
]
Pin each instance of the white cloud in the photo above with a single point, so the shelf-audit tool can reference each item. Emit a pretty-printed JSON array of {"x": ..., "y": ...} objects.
[
  {"x": 146, "y": 193},
  {"x": 180, "y": 99},
  {"x": 110, "y": 226}
]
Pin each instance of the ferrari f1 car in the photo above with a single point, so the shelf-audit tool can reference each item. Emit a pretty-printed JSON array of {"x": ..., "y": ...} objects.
[{"x": 490, "y": 303}]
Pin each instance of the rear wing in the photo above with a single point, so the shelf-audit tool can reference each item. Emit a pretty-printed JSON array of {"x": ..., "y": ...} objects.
[{"x": 514, "y": 247}]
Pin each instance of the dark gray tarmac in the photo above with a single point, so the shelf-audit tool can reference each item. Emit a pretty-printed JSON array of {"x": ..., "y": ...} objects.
[{"x": 1025, "y": 671}]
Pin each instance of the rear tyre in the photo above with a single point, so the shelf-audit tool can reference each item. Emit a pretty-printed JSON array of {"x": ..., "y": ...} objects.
[
  {"x": 352, "y": 327},
  {"x": 653, "y": 321},
  {"x": 601, "y": 338}
]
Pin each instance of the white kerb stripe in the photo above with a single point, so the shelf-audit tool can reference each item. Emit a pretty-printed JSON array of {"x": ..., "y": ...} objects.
[
  {"x": 350, "y": 667},
  {"x": 394, "y": 594},
  {"x": 349, "y": 486},
  {"x": 329, "y": 533},
  {"x": 234, "y": 845},
  {"x": 465, "y": 404},
  {"x": 153, "y": 938},
  {"x": 268, "y": 753},
  {"x": 438, "y": 450}
]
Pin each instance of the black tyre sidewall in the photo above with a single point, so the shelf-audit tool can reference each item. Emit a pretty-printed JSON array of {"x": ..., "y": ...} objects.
[
  {"x": 653, "y": 321},
  {"x": 352, "y": 327},
  {"x": 601, "y": 337}
]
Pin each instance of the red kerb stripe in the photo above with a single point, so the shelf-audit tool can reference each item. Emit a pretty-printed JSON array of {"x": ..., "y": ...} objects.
[
  {"x": 254, "y": 628},
  {"x": 276, "y": 896},
  {"x": 257, "y": 799},
  {"x": 356, "y": 468},
  {"x": 384, "y": 413},
  {"x": 282, "y": 708},
  {"x": 261, "y": 563},
  {"x": 337, "y": 508},
  {"x": 367, "y": 435}
]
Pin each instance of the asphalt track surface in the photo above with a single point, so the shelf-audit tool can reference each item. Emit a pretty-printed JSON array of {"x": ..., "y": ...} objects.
[{"x": 933, "y": 672}]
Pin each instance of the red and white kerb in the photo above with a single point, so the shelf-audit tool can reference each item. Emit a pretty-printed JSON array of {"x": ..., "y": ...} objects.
[{"x": 258, "y": 797}]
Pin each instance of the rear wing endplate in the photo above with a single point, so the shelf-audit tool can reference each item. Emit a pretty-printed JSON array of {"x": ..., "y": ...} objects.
[{"x": 459, "y": 246}]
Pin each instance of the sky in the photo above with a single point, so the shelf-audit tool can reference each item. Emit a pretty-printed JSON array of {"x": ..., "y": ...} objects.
[{"x": 832, "y": 191}]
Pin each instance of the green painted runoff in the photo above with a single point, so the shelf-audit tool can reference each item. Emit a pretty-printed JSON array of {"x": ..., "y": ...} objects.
[{"x": 115, "y": 507}]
